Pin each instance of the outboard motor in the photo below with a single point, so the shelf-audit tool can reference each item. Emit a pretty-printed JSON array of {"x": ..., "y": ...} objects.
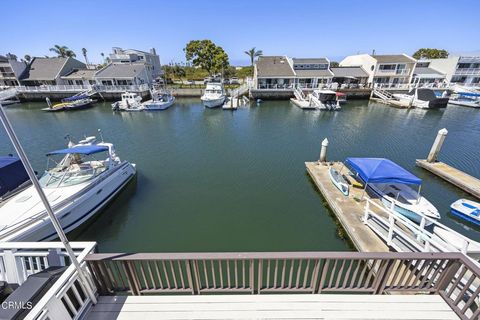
[{"x": 49, "y": 103}]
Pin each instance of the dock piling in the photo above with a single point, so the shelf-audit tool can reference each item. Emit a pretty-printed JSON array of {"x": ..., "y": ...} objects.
[
  {"x": 437, "y": 145},
  {"x": 323, "y": 151}
]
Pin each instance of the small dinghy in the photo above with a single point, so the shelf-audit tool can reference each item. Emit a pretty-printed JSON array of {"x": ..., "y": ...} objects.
[
  {"x": 467, "y": 210},
  {"x": 339, "y": 181}
]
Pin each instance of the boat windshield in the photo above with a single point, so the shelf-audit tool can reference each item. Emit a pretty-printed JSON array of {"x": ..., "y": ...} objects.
[{"x": 70, "y": 171}]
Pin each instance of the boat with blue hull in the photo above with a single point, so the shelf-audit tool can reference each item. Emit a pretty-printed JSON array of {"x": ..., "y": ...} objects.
[
  {"x": 467, "y": 210},
  {"x": 13, "y": 177},
  {"x": 390, "y": 182}
]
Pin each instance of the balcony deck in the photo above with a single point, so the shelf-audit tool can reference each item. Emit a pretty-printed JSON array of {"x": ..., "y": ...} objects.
[{"x": 286, "y": 306}]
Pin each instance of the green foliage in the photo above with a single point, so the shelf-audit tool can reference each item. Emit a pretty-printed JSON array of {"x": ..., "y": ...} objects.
[
  {"x": 63, "y": 51},
  {"x": 245, "y": 72},
  {"x": 253, "y": 53},
  {"x": 429, "y": 53},
  {"x": 206, "y": 55},
  {"x": 27, "y": 58},
  {"x": 334, "y": 64},
  {"x": 11, "y": 56}
]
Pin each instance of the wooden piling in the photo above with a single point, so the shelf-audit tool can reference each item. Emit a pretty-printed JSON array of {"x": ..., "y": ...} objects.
[{"x": 437, "y": 145}]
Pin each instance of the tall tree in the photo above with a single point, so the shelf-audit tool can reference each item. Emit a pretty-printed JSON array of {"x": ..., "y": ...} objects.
[
  {"x": 334, "y": 64},
  {"x": 11, "y": 56},
  {"x": 84, "y": 52},
  {"x": 27, "y": 58},
  {"x": 253, "y": 53},
  {"x": 206, "y": 55},
  {"x": 63, "y": 51},
  {"x": 430, "y": 53}
]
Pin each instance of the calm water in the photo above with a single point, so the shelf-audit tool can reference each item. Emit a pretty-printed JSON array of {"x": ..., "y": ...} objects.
[{"x": 214, "y": 180}]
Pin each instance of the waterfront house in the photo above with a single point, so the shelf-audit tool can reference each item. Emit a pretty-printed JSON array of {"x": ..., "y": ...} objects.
[
  {"x": 123, "y": 74},
  {"x": 10, "y": 71},
  {"x": 282, "y": 72},
  {"x": 459, "y": 69},
  {"x": 424, "y": 74},
  {"x": 390, "y": 69},
  {"x": 150, "y": 59},
  {"x": 80, "y": 77},
  {"x": 49, "y": 71},
  {"x": 349, "y": 76}
]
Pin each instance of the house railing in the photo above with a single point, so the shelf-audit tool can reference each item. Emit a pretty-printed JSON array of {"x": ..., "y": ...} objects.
[
  {"x": 8, "y": 94},
  {"x": 467, "y": 71},
  {"x": 451, "y": 275},
  {"x": 393, "y": 71},
  {"x": 67, "y": 298},
  {"x": 80, "y": 88}
]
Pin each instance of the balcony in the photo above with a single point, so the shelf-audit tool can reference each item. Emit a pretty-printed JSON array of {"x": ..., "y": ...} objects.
[
  {"x": 249, "y": 285},
  {"x": 467, "y": 71},
  {"x": 391, "y": 72}
]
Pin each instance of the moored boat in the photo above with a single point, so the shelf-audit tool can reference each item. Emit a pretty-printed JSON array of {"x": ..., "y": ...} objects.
[
  {"x": 324, "y": 100},
  {"x": 465, "y": 99},
  {"x": 13, "y": 177},
  {"x": 69, "y": 104},
  {"x": 339, "y": 181},
  {"x": 467, "y": 210},
  {"x": 341, "y": 97},
  {"x": 214, "y": 95},
  {"x": 130, "y": 102},
  {"x": 422, "y": 98},
  {"x": 77, "y": 187},
  {"x": 161, "y": 100}
]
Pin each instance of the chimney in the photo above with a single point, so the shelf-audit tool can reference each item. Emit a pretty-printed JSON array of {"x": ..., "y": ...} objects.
[{"x": 153, "y": 51}]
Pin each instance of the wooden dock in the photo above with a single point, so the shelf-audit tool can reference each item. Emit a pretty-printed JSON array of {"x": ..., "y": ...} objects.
[
  {"x": 349, "y": 210},
  {"x": 302, "y": 104},
  {"x": 456, "y": 177}
]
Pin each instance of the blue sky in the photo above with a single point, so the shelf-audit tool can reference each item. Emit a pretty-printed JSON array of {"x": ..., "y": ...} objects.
[{"x": 296, "y": 28}]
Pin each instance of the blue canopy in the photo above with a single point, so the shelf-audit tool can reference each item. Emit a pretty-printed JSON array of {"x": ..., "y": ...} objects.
[
  {"x": 381, "y": 170},
  {"x": 81, "y": 150},
  {"x": 469, "y": 94},
  {"x": 83, "y": 96},
  {"x": 12, "y": 174}
]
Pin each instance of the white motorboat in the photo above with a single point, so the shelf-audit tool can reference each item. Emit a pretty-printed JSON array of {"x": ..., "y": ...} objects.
[
  {"x": 161, "y": 100},
  {"x": 467, "y": 210},
  {"x": 422, "y": 98},
  {"x": 214, "y": 95},
  {"x": 465, "y": 99},
  {"x": 324, "y": 100},
  {"x": 77, "y": 187},
  {"x": 130, "y": 102}
]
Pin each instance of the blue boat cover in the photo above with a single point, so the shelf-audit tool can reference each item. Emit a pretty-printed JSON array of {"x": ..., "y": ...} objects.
[
  {"x": 12, "y": 174},
  {"x": 81, "y": 150},
  {"x": 83, "y": 96},
  {"x": 381, "y": 170},
  {"x": 469, "y": 94}
]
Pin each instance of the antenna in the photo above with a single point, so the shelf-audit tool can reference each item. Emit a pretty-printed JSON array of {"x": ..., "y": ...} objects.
[{"x": 100, "y": 133}]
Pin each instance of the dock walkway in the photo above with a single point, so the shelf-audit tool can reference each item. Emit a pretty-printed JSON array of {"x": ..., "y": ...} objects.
[
  {"x": 349, "y": 210},
  {"x": 456, "y": 177},
  {"x": 285, "y": 306}
]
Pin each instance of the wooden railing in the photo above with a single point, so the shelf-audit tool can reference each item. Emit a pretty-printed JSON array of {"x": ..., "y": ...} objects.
[{"x": 451, "y": 275}]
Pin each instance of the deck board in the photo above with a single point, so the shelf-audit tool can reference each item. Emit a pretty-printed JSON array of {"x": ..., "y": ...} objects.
[{"x": 286, "y": 306}]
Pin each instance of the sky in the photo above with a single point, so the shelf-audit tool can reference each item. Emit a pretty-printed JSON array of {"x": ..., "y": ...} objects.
[{"x": 297, "y": 28}]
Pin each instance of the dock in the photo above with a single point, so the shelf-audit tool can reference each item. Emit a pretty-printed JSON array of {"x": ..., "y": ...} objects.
[
  {"x": 233, "y": 103},
  {"x": 456, "y": 177},
  {"x": 302, "y": 104},
  {"x": 348, "y": 209},
  {"x": 388, "y": 98}
]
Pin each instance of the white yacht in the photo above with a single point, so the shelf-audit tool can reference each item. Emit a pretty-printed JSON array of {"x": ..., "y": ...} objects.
[
  {"x": 77, "y": 187},
  {"x": 161, "y": 100},
  {"x": 214, "y": 95},
  {"x": 130, "y": 102},
  {"x": 422, "y": 98},
  {"x": 324, "y": 100},
  {"x": 465, "y": 99}
]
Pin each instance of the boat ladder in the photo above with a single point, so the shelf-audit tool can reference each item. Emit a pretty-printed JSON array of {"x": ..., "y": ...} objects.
[
  {"x": 299, "y": 95},
  {"x": 383, "y": 94}
]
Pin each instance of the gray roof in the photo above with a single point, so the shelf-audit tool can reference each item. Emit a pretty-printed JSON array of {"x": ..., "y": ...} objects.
[
  {"x": 356, "y": 72},
  {"x": 44, "y": 68},
  {"x": 393, "y": 58},
  {"x": 83, "y": 74},
  {"x": 423, "y": 70},
  {"x": 122, "y": 70},
  {"x": 314, "y": 73},
  {"x": 310, "y": 60},
  {"x": 274, "y": 66}
]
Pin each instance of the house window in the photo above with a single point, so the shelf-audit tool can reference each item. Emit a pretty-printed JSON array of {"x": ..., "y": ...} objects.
[
  {"x": 107, "y": 82},
  {"x": 387, "y": 67},
  {"x": 463, "y": 65},
  {"x": 423, "y": 64},
  {"x": 122, "y": 82}
]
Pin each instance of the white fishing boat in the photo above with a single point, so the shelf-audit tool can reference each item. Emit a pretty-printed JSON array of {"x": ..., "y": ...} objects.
[
  {"x": 422, "y": 98},
  {"x": 465, "y": 99},
  {"x": 130, "y": 102},
  {"x": 161, "y": 100},
  {"x": 77, "y": 187},
  {"x": 324, "y": 100},
  {"x": 339, "y": 181},
  {"x": 467, "y": 210},
  {"x": 390, "y": 182},
  {"x": 214, "y": 95}
]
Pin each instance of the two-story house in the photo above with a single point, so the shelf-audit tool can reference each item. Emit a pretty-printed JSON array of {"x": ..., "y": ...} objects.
[
  {"x": 459, "y": 69},
  {"x": 383, "y": 69},
  {"x": 11, "y": 71},
  {"x": 132, "y": 56}
]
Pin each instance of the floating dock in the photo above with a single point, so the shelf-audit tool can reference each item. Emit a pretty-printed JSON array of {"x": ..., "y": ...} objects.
[
  {"x": 348, "y": 209},
  {"x": 456, "y": 177},
  {"x": 303, "y": 104}
]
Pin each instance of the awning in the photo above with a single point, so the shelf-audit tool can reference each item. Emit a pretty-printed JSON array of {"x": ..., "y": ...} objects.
[
  {"x": 80, "y": 150},
  {"x": 381, "y": 170}
]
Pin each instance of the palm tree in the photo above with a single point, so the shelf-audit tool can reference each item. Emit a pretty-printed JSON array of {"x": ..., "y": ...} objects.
[
  {"x": 84, "y": 52},
  {"x": 27, "y": 58},
  {"x": 63, "y": 51},
  {"x": 11, "y": 56},
  {"x": 253, "y": 53}
]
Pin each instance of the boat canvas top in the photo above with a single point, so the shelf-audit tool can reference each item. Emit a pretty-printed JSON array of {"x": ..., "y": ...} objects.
[
  {"x": 381, "y": 170},
  {"x": 325, "y": 91},
  {"x": 12, "y": 174},
  {"x": 74, "y": 98},
  {"x": 86, "y": 150}
]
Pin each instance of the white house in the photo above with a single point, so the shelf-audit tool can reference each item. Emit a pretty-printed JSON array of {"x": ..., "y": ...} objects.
[
  {"x": 458, "y": 69},
  {"x": 383, "y": 69},
  {"x": 123, "y": 74},
  {"x": 132, "y": 56},
  {"x": 11, "y": 71}
]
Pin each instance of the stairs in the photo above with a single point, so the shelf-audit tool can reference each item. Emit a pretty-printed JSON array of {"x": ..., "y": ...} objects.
[
  {"x": 383, "y": 94},
  {"x": 299, "y": 95}
]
